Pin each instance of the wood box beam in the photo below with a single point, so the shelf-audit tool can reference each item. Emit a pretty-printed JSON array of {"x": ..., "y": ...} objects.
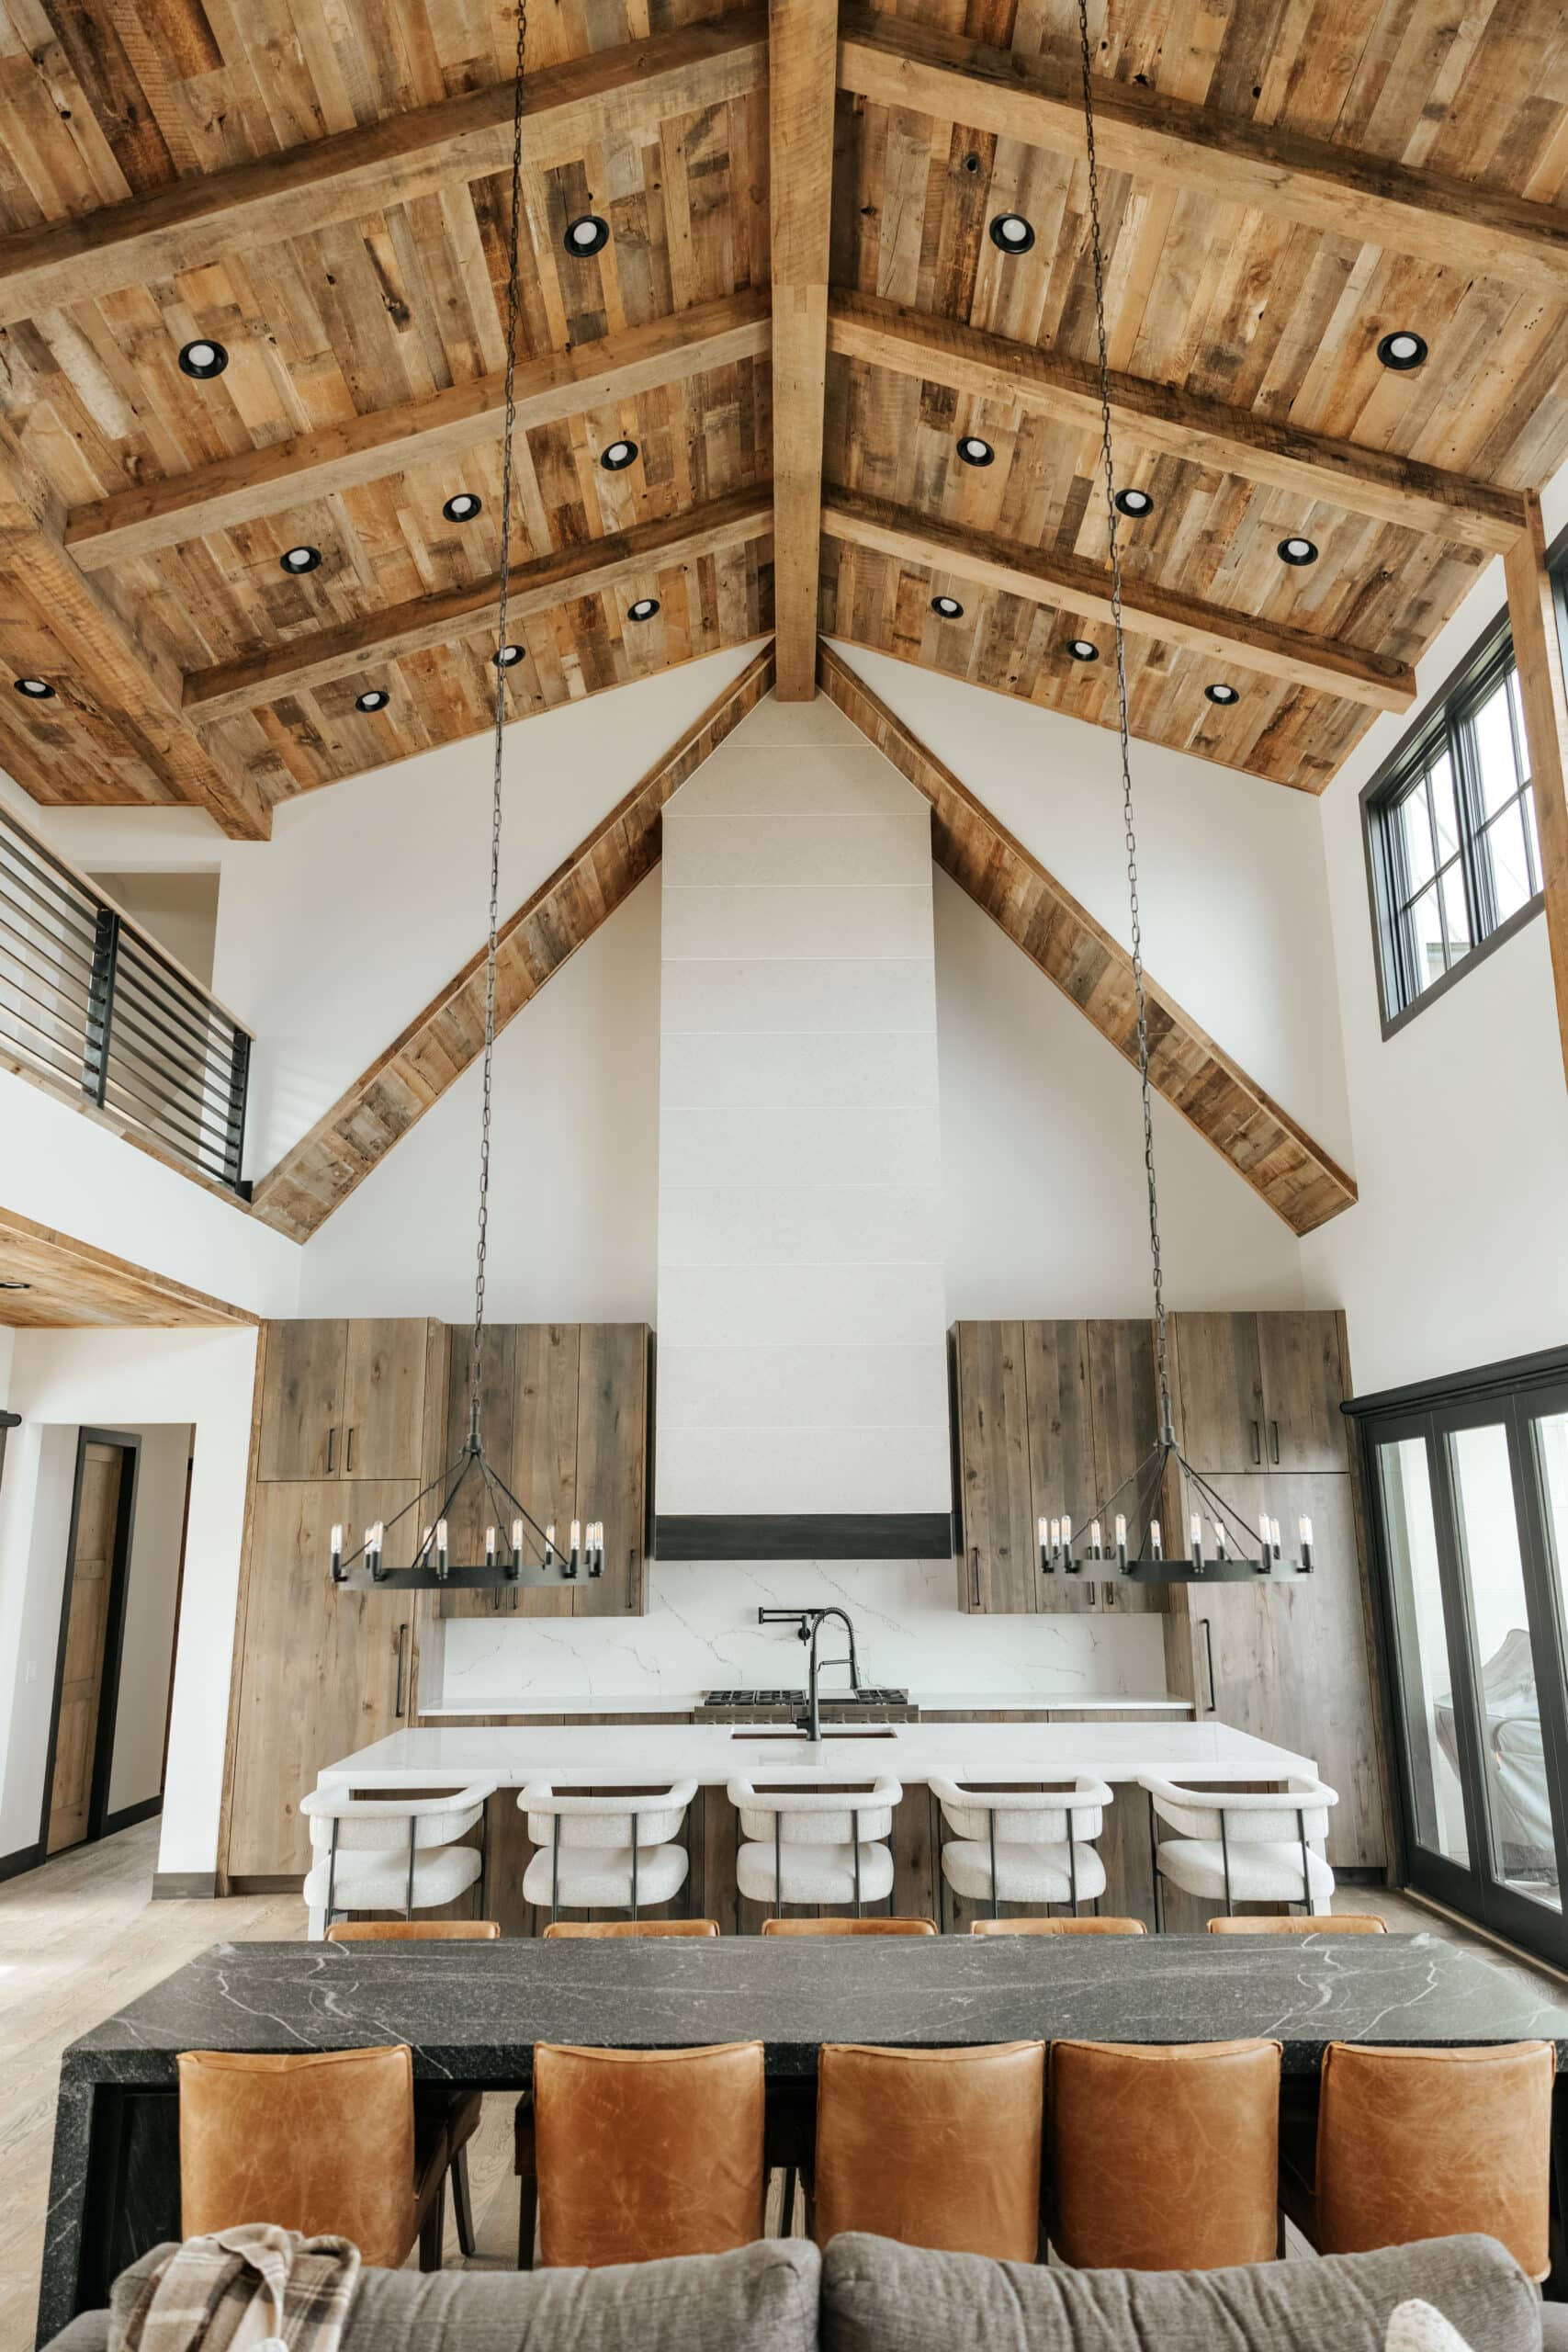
[
  {"x": 571, "y": 110},
  {"x": 801, "y": 98},
  {"x": 1537, "y": 650},
  {"x": 625, "y": 560},
  {"x": 1340, "y": 192},
  {"x": 551, "y": 388},
  {"x": 1069, "y": 584},
  {"x": 317, "y": 1176},
  {"x": 1278, "y": 1158},
  {"x": 1177, "y": 424},
  {"x": 71, "y": 1283}
]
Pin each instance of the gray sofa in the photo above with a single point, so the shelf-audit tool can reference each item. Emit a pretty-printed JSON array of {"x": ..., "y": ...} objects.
[{"x": 868, "y": 2294}]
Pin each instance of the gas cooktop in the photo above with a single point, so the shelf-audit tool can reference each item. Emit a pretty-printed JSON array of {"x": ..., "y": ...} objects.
[{"x": 873, "y": 1698}]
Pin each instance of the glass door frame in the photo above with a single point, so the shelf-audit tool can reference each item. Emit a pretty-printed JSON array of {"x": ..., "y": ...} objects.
[{"x": 1512, "y": 1397}]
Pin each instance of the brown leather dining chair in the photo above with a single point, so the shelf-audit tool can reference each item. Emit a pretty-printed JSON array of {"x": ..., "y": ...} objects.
[
  {"x": 1425, "y": 2143},
  {"x": 1134, "y": 2127},
  {"x": 414, "y": 1932},
  {"x": 1105, "y": 1925},
  {"x": 934, "y": 2147},
  {"x": 322, "y": 2142},
  {"x": 1277, "y": 1923},
  {"x": 644, "y": 2153},
  {"x": 894, "y": 1927},
  {"x": 573, "y": 1930}
]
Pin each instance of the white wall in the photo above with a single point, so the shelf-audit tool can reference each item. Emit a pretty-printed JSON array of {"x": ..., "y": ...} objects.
[
  {"x": 151, "y": 1582},
  {"x": 1456, "y": 1253}
]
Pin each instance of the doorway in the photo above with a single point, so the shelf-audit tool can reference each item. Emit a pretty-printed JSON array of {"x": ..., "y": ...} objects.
[
  {"x": 1469, "y": 1504},
  {"x": 91, "y": 1628}
]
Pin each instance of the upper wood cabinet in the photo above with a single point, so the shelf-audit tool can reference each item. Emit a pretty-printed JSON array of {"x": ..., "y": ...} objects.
[
  {"x": 1260, "y": 1392},
  {"x": 998, "y": 1565},
  {"x": 345, "y": 1400}
]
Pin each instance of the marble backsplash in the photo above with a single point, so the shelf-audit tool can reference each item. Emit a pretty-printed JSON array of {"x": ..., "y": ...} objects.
[{"x": 701, "y": 1633}]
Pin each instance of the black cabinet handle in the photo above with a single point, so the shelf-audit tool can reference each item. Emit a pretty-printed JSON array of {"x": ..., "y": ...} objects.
[
  {"x": 1274, "y": 1436},
  {"x": 1258, "y": 1443},
  {"x": 348, "y": 1456},
  {"x": 401, "y": 1706},
  {"x": 974, "y": 1556},
  {"x": 1209, "y": 1653},
  {"x": 631, "y": 1579},
  {"x": 332, "y": 1449}
]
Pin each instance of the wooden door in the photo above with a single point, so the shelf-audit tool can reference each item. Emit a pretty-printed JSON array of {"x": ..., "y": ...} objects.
[
  {"x": 1124, "y": 1404},
  {"x": 999, "y": 1570},
  {"x": 1061, "y": 1442},
  {"x": 611, "y": 1457},
  {"x": 85, "y": 1639},
  {"x": 323, "y": 1671},
  {"x": 1303, "y": 1383},
  {"x": 1220, "y": 1412},
  {"x": 383, "y": 1399},
  {"x": 547, "y": 1412},
  {"x": 302, "y": 1422}
]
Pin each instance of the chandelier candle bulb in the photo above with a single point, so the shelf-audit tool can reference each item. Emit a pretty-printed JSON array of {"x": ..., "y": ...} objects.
[
  {"x": 1197, "y": 1534},
  {"x": 1157, "y": 1549},
  {"x": 489, "y": 1548},
  {"x": 337, "y": 1548},
  {"x": 1306, "y": 1541},
  {"x": 1122, "y": 1541},
  {"x": 1094, "y": 1551},
  {"x": 1274, "y": 1536},
  {"x": 1047, "y": 1565},
  {"x": 1219, "y": 1538},
  {"x": 441, "y": 1547}
]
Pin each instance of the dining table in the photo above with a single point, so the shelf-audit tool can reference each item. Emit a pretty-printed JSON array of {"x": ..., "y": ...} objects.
[{"x": 473, "y": 2013}]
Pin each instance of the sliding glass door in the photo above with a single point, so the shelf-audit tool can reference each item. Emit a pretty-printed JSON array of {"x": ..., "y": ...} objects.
[{"x": 1469, "y": 1513}]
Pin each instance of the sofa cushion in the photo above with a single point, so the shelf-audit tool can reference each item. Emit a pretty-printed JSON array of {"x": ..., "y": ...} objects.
[{"x": 879, "y": 2297}]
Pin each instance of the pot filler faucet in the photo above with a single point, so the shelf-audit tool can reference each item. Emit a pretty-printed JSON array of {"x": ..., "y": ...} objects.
[{"x": 810, "y": 1622}]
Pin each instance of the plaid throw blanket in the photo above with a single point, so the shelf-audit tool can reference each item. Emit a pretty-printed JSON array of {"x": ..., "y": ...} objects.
[{"x": 254, "y": 2289}]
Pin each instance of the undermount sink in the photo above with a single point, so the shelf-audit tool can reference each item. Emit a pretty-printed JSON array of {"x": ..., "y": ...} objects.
[{"x": 843, "y": 1731}]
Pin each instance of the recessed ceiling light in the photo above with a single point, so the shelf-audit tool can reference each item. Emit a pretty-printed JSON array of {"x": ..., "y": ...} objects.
[
  {"x": 299, "y": 560},
  {"x": 35, "y": 689},
  {"x": 508, "y": 657},
  {"x": 947, "y": 609},
  {"x": 1137, "y": 502},
  {"x": 1298, "y": 550},
  {"x": 203, "y": 360},
  {"x": 373, "y": 698},
  {"x": 643, "y": 610},
  {"x": 1221, "y": 694},
  {"x": 462, "y": 507},
  {"x": 1082, "y": 651},
  {"x": 587, "y": 234},
  {"x": 1011, "y": 233},
  {"x": 974, "y": 451},
  {"x": 618, "y": 457},
  {"x": 1402, "y": 350}
]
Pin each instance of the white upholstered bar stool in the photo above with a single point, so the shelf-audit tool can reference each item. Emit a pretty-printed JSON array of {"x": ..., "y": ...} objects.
[
  {"x": 1022, "y": 1845},
  {"x": 1241, "y": 1845},
  {"x": 821, "y": 1846},
  {"x": 391, "y": 1853},
  {"x": 605, "y": 1853}
]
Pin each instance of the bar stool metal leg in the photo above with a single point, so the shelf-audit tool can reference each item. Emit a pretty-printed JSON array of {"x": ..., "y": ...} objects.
[
  {"x": 991, "y": 1824},
  {"x": 408, "y": 1898},
  {"x": 1307, "y": 1869},
  {"x": 854, "y": 1839},
  {"x": 1072, "y": 1867},
  {"x": 1154, "y": 1866},
  {"x": 634, "y": 1866},
  {"x": 778, "y": 1868},
  {"x": 555, "y": 1870},
  {"x": 1225, "y": 1859},
  {"x": 332, "y": 1868}
]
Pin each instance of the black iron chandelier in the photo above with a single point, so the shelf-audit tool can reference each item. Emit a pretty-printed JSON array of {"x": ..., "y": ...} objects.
[
  {"x": 1137, "y": 1548},
  {"x": 518, "y": 1550}
]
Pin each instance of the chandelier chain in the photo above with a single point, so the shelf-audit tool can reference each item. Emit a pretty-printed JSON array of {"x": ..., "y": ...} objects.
[
  {"x": 514, "y": 306},
  {"x": 1129, "y": 831}
]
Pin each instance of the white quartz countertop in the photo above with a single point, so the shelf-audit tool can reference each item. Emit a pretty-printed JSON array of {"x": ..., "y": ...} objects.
[
  {"x": 579, "y": 1755},
  {"x": 684, "y": 1702}
]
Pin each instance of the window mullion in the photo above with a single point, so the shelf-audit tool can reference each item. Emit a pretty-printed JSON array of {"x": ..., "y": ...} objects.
[{"x": 1474, "y": 860}]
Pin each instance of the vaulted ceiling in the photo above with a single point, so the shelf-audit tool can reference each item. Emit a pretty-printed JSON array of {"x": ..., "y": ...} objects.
[{"x": 799, "y": 312}]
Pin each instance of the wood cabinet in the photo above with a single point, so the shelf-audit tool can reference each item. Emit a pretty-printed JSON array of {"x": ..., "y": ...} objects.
[
  {"x": 1260, "y": 1392},
  {"x": 345, "y": 1400}
]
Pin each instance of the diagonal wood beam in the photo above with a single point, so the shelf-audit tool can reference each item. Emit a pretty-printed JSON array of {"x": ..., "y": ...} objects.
[
  {"x": 555, "y": 386},
  {"x": 571, "y": 108},
  {"x": 1537, "y": 650},
  {"x": 801, "y": 100},
  {"x": 594, "y": 568},
  {"x": 135, "y": 680},
  {"x": 1241, "y": 639},
  {"x": 1338, "y": 190},
  {"x": 70, "y": 1282},
  {"x": 1178, "y": 423},
  {"x": 1278, "y": 1160},
  {"x": 319, "y": 1173}
]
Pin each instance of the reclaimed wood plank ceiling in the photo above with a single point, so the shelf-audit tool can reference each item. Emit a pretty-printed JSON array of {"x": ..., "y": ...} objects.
[{"x": 324, "y": 194}]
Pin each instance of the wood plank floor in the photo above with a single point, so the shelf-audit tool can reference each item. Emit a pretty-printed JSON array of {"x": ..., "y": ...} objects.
[{"x": 81, "y": 1936}]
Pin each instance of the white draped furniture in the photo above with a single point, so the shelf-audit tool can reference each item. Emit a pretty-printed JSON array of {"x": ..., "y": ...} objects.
[
  {"x": 822, "y": 1845},
  {"x": 1233, "y": 1847},
  {"x": 391, "y": 1853},
  {"x": 605, "y": 1853},
  {"x": 1016, "y": 1845}
]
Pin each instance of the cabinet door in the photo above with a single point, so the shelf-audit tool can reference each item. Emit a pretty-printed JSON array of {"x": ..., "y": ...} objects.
[
  {"x": 611, "y": 1456},
  {"x": 1304, "y": 1382},
  {"x": 471, "y": 1513},
  {"x": 544, "y": 1452},
  {"x": 1124, "y": 1400},
  {"x": 1000, "y": 1569},
  {"x": 302, "y": 1423},
  {"x": 1220, "y": 1414},
  {"x": 1061, "y": 1442},
  {"x": 383, "y": 1399},
  {"x": 324, "y": 1672}
]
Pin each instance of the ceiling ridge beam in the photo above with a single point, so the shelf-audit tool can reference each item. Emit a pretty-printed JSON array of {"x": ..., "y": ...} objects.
[
  {"x": 1276, "y": 1156},
  {"x": 570, "y": 108},
  {"x": 1177, "y": 424},
  {"x": 593, "y": 568},
  {"x": 1067, "y": 582},
  {"x": 551, "y": 388},
  {"x": 802, "y": 97},
  {"x": 1338, "y": 190},
  {"x": 318, "y": 1174}
]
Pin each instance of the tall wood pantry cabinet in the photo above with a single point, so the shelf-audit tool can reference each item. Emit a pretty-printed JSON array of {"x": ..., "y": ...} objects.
[{"x": 354, "y": 1418}]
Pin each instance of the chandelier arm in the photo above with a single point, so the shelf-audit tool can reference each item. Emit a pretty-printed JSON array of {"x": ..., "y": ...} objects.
[
  {"x": 1107, "y": 469},
  {"x": 1155, "y": 1462},
  {"x": 520, "y": 1508},
  {"x": 397, "y": 1516},
  {"x": 513, "y": 307},
  {"x": 1220, "y": 1508},
  {"x": 1100, "y": 1509}
]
